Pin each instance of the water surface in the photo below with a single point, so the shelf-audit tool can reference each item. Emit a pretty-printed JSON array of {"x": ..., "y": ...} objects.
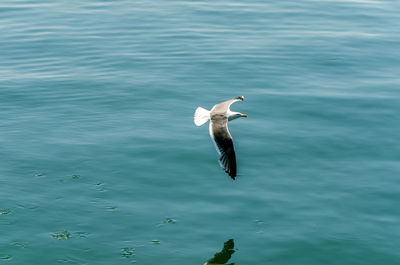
[{"x": 102, "y": 164}]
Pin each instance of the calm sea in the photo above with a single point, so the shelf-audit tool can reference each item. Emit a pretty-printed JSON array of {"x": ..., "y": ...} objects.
[{"x": 101, "y": 162}]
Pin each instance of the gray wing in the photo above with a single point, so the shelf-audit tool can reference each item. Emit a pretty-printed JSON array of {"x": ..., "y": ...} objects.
[
  {"x": 223, "y": 107},
  {"x": 223, "y": 141}
]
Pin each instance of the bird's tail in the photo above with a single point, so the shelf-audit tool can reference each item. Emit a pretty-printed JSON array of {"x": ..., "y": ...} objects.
[{"x": 201, "y": 116}]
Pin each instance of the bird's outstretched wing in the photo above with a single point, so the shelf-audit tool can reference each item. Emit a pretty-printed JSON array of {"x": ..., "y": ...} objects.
[
  {"x": 223, "y": 107},
  {"x": 223, "y": 141}
]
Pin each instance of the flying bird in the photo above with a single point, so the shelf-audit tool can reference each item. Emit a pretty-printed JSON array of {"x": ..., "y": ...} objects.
[{"x": 219, "y": 116}]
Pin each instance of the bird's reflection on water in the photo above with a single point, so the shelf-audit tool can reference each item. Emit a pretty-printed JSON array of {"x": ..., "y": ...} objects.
[{"x": 224, "y": 255}]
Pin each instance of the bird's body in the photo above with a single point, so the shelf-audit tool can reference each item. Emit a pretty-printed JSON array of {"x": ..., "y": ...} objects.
[{"x": 219, "y": 116}]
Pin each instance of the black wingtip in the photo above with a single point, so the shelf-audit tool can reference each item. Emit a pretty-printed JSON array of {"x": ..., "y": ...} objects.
[
  {"x": 232, "y": 175},
  {"x": 240, "y": 98}
]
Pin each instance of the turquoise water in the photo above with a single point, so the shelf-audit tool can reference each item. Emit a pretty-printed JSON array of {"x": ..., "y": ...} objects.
[{"x": 101, "y": 162}]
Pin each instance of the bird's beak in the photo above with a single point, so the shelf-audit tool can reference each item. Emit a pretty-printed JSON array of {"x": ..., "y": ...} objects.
[{"x": 244, "y": 115}]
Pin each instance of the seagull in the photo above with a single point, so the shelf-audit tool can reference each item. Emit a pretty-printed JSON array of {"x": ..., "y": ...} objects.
[{"x": 219, "y": 116}]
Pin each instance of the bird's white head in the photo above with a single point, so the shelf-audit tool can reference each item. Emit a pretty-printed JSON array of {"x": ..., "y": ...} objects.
[{"x": 235, "y": 115}]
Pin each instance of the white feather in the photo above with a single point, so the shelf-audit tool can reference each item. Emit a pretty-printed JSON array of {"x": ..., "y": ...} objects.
[
  {"x": 213, "y": 139},
  {"x": 201, "y": 116}
]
